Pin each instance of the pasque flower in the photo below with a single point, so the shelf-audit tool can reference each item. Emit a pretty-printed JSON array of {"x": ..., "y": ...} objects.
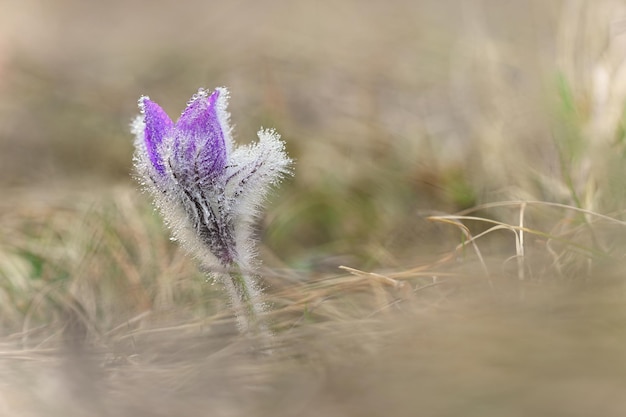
[{"x": 209, "y": 190}]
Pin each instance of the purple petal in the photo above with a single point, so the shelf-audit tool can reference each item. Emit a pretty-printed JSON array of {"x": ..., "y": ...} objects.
[
  {"x": 199, "y": 137},
  {"x": 158, "y": 124}
]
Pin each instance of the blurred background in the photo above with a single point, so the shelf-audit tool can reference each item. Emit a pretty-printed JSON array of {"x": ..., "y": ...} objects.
[
  {"x": 389, "y": 108},
  {"x": 394, "y": 111}
]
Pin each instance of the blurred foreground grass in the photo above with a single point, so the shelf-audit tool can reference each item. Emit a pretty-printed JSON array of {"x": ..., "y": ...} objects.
[{"x": 451, "y": 244}]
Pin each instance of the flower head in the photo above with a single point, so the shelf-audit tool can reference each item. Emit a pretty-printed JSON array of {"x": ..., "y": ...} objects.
[{"x": 207, "y": 189}]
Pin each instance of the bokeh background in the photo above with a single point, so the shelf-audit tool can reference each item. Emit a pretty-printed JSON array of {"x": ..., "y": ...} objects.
[
  {"x": 389, "y": 108},
  {"x": 394, "y": 111}
]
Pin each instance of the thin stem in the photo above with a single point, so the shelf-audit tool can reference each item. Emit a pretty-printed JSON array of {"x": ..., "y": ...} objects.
[{"x": 245, "y": 300}]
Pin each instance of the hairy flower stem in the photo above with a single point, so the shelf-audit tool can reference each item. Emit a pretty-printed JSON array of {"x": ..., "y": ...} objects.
[{"x": 245, "y": 300}]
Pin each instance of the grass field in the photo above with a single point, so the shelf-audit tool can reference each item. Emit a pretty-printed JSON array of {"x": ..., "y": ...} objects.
[{"x": 451, "y": 243}]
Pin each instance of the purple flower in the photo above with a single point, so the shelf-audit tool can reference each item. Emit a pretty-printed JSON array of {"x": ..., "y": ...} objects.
[{"x": 207, "y": 189}]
